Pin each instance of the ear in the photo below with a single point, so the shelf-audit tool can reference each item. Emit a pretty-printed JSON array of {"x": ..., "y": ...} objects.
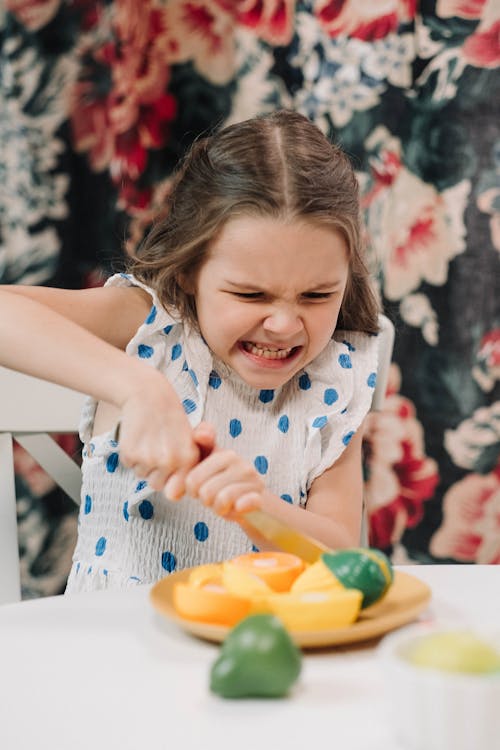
[{"x": 186, "y": 283}]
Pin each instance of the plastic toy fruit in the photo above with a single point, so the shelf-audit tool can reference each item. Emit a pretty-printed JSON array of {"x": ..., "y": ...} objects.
[
  {"x": 367, "y": 570},
  {"x": 455, "y": 651},
  {"x": 257, "y": 659},
  {"x": 209, "y": 602},
  {"x": 277, "y": 569},
  {"x": 317, "y": 610},
  {"x": 316, "y": 577}
]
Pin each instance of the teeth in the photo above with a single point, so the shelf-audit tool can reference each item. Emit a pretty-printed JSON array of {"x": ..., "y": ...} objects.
[{"x": 266, "y": 353}]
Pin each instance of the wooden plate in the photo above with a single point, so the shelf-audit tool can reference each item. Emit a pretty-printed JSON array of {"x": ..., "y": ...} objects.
[{"x": 406, "y": 598}]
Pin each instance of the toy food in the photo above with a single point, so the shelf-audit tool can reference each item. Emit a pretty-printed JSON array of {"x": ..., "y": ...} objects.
[
  {"x": 257, "y": 659},
  {"x": 317, "y": 610},
  {"x": 207, "y": 600},
  {"x": 327, "y": 594},
  {"x": 367, "y": 570},
  {"x": 316, "y": 577},
  {"x": 455, "y": 651},
  {"x": 277, "y": 569}
]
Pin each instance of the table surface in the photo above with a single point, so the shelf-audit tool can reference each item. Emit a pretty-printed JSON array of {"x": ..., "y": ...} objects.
[{"x": 104, "y": 670}]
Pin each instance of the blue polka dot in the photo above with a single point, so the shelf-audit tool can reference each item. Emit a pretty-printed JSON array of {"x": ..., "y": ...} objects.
[
  {"x": 261, "y": 464},
  {"x": 125, "y": 275},
  {"x": 176, "y": 351},
  {"x": 344, "y": 410},
  {"x": 140, "y": 485},
  {"x": 320, "y": 422},
  {"x": 255, "y": 549},
  {"x": 201, "y": 531},
  {"x": 283, "y": 423},
  {"x": 266, "y": 395},
  {"x": 125, "y": 510},
  {"x": 330, "y": 396},
  {"x": 145, "y": 352},
  {"x": 168, "y": 562},
  {"x": 235, "y": 428},
  {"x": 167, "y": 329},
  {"x": 146, "y": 509},
  {"x": 113, "y": 443},
  {"x": 304, "y": 382},
  {"x": 88, "y": 505},
  {"x": 112, "y": 462},
  {"x": 287, "y": 498},
  {"x": 78, "y": 567},
  {"x": 193, "y": 377},
  {"x": 100, "y": 546},
  {"x": 151, "y": 317},
  {"x": 349, "y": 345},
  {"x": 214, "y": 380},
  {"x": 345, "y": 361},
  {"x": 347, "y": 437},
  {"x": 372, "y": 379},
  {"x": 185, "y": 367},
  {"x": 189, "y": 405},
  {"x": 89, "y": 569}
]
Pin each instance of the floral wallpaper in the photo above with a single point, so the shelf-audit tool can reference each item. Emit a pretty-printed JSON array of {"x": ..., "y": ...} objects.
[{"x": 99, "y": 99}]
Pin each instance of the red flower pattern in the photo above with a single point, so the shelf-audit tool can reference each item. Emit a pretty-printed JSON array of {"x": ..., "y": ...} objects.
[
  {"x": 470, "y": 531},
  {"x": 361, "y": 20},
  {"x": 117, "y": 124},
  {"x": 400, "y": 476}
]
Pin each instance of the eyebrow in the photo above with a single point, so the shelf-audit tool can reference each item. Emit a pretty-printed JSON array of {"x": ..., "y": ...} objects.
[{"x": 324, "y": 285}]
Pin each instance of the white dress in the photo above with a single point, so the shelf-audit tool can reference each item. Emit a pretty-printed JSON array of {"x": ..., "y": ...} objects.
[{"x": 129, "y": 534}]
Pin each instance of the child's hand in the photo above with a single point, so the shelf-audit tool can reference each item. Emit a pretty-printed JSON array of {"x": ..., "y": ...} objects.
[
  {"x": 204, "y": 437},
  {"x": 156, "y": 439},
  {"x": 227, "y": 483}
]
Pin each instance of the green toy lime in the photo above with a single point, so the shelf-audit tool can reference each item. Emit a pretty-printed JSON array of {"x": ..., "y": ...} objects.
[
  {"x": 258, "y": 659},
  {"x": 368, "y": 570}
]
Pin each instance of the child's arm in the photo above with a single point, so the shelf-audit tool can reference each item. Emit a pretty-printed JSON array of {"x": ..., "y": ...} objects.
[
  {"x": 75, "y": 338},
  {"x": 232, "y": 486}
]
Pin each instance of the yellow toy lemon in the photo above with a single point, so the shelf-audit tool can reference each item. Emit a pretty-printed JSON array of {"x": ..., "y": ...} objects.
[
  {"x": 277, "y": 569},
  {"x": 316, "y": 610},
  {"x": 316, "y": 577}
]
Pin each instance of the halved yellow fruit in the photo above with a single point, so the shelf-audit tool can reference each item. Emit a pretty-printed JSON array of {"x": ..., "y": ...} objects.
[
  {"x": 210, "y": 602},
  {"x": 277, "y": 569},
  {"x": 316, "y": 610},
  {"x": 316, "y": 577},
  {"x": 205, "y": 573}
]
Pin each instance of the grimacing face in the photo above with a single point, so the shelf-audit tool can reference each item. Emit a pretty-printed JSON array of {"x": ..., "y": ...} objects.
[{"x": 269, "y": 294}]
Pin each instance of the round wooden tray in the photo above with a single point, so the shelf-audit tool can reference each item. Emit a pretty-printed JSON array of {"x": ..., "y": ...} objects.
[{"x": 406, "y": 598}]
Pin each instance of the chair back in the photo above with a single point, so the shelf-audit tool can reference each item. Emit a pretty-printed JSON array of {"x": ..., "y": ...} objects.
[{"x": 31, "y": 409}]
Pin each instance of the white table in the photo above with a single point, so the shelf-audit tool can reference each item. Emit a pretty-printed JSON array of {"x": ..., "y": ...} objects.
[{"x": 103, "y": 671}]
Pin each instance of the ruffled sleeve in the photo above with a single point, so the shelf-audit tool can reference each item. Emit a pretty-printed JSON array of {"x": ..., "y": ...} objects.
[{"x": 341, "y": 383}]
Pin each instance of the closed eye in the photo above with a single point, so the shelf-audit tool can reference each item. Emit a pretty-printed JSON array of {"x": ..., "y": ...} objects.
[
  {"x": 248, "y": 295},
  {"x": 318, "y": 295}
]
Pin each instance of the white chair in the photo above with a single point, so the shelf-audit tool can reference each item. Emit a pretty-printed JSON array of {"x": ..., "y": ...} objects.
[{"x": 30, "y": 409}]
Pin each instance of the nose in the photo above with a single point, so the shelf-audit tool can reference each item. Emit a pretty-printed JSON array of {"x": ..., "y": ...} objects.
[{"x": 283, "y": 321}]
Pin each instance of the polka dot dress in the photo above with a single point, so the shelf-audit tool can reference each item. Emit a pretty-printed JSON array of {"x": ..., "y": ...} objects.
[{"x": 129, "y": 534}]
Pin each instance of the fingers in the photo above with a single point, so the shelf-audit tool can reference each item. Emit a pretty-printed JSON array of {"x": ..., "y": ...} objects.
[
  {"x": 226, "y": 483},
  {"x": 204, "y": 437},
  {"x": 158, "y": 465}
]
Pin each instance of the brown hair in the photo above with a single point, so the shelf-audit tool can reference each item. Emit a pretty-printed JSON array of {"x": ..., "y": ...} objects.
[{"x": 277, "y": 165}]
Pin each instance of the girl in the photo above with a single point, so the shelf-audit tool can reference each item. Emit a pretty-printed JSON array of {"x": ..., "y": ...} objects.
[{"x": 232, "y": 366}]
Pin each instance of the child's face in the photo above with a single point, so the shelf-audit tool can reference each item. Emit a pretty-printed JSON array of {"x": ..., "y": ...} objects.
[{"x": 269, "y": 294}]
